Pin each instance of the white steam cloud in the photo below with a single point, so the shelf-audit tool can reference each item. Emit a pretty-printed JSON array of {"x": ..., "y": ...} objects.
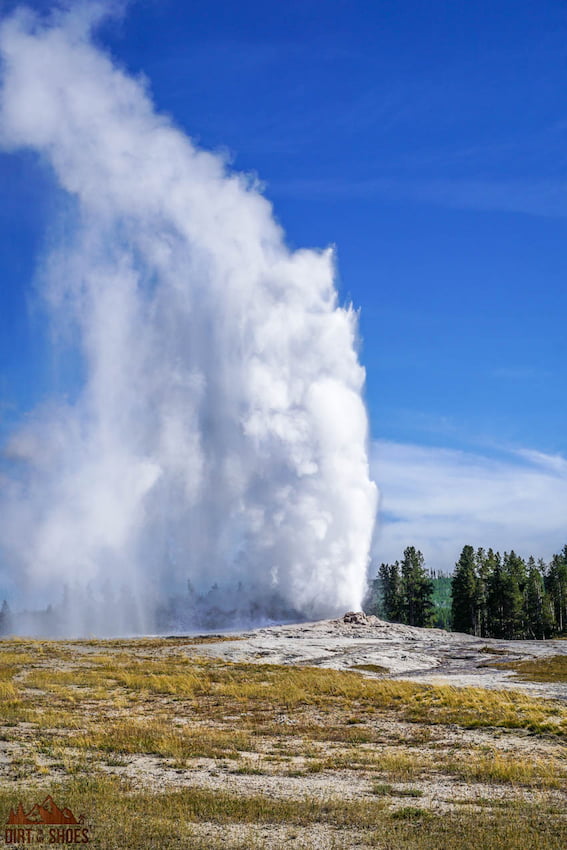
[{"x": 219, "y": 435}]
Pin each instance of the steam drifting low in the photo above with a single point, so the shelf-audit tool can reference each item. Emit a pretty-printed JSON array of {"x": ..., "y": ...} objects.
[{"x": 219, "y": 436}]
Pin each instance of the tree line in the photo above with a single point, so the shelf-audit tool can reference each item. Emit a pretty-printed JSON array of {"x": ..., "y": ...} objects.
[{"x": 488, "y": 595}]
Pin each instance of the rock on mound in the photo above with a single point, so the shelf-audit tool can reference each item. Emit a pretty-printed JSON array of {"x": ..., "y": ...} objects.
[{"x": 359, "y": 618}]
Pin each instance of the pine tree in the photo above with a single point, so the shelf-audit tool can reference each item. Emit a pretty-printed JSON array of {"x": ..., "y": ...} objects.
[
  {"x": 485, "y": 563},
  {"x": 556, "y": 585},
  {"x": 549, "y": 611},
  {"x": 495, "y": 594},
  {"x": 465, "y": 590},
  {"x": 442, "y": 601},
  {"x": 417, "y": 589},
  {"x": 538, "y": 607},
  {"x": 512, "y": 584},
  {"x": 391, "y": 591}
]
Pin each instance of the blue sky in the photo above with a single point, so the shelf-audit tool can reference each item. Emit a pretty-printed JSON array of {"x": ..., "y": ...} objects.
[{"x": 427, "y": 142}]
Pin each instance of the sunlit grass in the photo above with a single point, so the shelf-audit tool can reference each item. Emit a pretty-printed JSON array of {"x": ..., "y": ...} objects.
[
  {"x": 159, "y": 737},
  {"x": 550, "y": 669},
  {"x": 8, "y": 692},
  {"x": 399, "y": 764},
  {"x": 371, "y": 668},
  {"x": 257, "y": 687},
  {"x": 477, "y": 707},
  {"x": 78, "y": 709},
  {"x": 120, "y": 816},
  {"x": 505, "y": 769},
  {"x": 258, "y": 691}
]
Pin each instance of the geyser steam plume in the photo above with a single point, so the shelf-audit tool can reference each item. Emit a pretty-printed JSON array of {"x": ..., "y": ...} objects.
[{"x": 219, "y": 435}]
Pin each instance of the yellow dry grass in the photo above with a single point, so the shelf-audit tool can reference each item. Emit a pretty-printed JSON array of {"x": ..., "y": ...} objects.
[
  {"x": 70, "y": 712},
  {"x": 550, "y": 669}
]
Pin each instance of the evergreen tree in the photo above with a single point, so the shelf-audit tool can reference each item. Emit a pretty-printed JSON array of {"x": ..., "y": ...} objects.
[
  {"x": 485, "y": 562},
  {"x": 488, "y": 595},
  {"x": 465, "y": 591},
  {"x": 441, "y": 599},
  {"x": 515, "y": 578},
  {"x": 391, "y": 591},
  {"x": 556, "y": 585},
  {"x": 495, "y": 596},
  {"x": 538, "y": 607},
  {"x": 549, "y": 611},
  {"x": 417, "y": 589}
]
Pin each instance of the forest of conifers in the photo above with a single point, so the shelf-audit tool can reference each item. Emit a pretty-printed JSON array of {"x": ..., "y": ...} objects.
[{"x": 489, "y": 594}]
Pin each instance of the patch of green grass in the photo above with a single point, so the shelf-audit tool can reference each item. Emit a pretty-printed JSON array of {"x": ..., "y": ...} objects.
[
  {"x": 249, "y": 769},
  {"x": 371, "y": 668},
  {"x": 382, "y": 789},
  {"x": 116, "y": 761},
  {"x": 550, "y": 669},
  {"x": 410, "y": 813}
]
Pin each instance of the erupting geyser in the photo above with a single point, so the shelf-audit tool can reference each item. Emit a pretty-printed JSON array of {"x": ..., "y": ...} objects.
[{"x": 219, "y": 437}]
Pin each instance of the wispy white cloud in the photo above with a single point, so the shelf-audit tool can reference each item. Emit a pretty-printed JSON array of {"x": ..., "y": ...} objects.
[{"x": 441, "y": 499}]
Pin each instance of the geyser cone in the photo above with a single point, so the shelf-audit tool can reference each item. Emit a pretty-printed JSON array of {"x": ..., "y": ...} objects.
[{"x": 219, "y": 435}]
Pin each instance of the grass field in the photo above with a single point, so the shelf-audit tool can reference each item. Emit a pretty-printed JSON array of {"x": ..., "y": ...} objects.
[{"x": 160, "y": 747}]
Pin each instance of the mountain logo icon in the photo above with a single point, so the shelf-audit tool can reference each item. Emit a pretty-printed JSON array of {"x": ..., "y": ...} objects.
[{"x": 47, "y": 812}]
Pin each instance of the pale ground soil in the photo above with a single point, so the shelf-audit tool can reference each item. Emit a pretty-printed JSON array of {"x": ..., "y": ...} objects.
[{"x": 422, "y": 655}]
